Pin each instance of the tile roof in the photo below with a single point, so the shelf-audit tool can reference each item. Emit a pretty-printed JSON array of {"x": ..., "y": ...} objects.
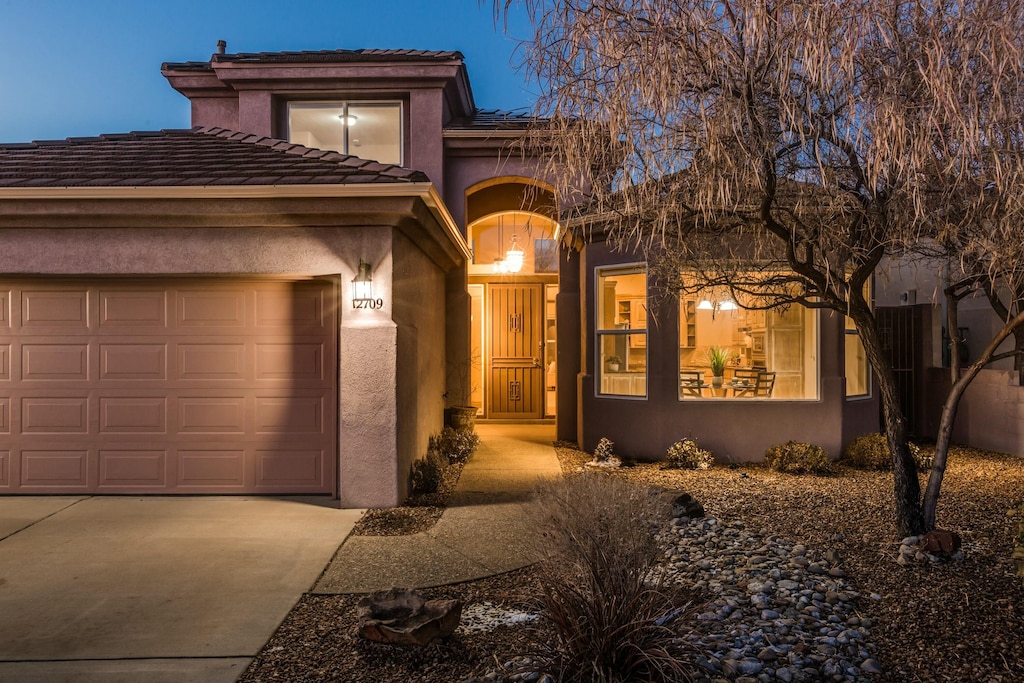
[
  {"x": 195, "y": 157},
  {"x": 319, "y": 57},
  {"x": 494, "y": 119}
]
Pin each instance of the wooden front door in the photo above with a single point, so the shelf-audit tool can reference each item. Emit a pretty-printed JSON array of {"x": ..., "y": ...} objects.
[{"x": 515, "y": 350}]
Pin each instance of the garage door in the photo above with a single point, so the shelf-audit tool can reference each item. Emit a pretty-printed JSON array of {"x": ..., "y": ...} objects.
[{"x": 167, "y": 386}]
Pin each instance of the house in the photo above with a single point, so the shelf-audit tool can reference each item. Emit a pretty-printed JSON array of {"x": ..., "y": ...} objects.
[
  {"x": 185, "y": 311},
  {"x": 648, "y": 382},
  {"x": 283, "y": 298}
]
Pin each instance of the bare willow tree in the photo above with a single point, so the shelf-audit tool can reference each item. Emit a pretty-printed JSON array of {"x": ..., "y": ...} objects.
[{"x": 785, "y": 148}]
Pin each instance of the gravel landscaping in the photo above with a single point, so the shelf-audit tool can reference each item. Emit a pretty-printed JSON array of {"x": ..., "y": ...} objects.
[{"x": 799, "y": 575}]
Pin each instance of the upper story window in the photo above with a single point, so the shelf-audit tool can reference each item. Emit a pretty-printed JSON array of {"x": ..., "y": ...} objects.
[{"x": 369, "y": 130}]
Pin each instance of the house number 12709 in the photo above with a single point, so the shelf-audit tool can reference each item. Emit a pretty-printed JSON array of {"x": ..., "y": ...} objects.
[{"x": 368, "y": 303}]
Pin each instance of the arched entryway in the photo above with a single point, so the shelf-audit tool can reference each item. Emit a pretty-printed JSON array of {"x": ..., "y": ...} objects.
[{"x": 513, "y": 282}]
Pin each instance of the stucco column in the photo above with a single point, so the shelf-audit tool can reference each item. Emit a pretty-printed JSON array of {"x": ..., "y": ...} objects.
[
  {"x": 568, "y": 319},
  {"x": 457, "y": 333},
  {"x": 426, "y": 140},
  {"x": 368, "y": 465},
  {"x": 368, "y": 415},
  {"x": 255, "y": 111}
]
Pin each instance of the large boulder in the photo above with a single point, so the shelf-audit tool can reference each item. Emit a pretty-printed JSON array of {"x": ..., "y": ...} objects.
[{"x": 402, "y": 616}]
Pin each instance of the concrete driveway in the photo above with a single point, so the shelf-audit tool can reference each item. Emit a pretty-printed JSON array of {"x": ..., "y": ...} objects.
[{"x": 155, "y": 589}]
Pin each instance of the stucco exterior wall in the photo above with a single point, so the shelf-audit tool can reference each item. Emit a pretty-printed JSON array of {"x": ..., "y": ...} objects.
[
  {"x": 991, "y": 412},
  {"x": 418, "y": 290},
  {"x": 465, "y": 167},
  {"x": 735, "y": 430},
  {"x": 371, "y": 472}
]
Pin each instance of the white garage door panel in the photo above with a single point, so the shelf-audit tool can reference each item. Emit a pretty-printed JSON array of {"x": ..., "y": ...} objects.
[{"x": 168, "y": 386}]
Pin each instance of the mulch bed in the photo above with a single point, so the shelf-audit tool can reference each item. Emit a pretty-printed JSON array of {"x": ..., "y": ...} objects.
[
  {"x": 418, "y": 513},
  {"x": 958, "y": 621}
]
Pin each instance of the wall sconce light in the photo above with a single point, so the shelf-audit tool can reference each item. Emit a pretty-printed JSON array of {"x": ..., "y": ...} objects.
[{"x": 362, "y": 289}]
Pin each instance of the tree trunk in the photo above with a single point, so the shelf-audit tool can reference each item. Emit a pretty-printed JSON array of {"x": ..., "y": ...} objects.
[
  {"x": 906, "y": 486},
  {"x": 949, "y": 410}
]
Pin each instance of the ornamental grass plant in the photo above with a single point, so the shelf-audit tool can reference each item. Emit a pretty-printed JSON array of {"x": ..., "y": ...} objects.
[{"x": 606, "y": 616}]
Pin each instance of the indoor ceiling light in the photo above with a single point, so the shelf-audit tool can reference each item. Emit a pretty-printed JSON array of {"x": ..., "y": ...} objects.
[
  {"x": 514, "y": 256},
  {"x": 348, "y": 119}
]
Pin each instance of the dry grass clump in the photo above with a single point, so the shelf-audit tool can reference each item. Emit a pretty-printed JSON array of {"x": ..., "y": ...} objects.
[
  {"x": 603, "y": 619},
  {"x": 796, "y": 457}
]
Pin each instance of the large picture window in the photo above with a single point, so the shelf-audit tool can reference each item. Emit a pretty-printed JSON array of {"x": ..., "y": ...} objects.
[
  {"x": 622, "y": 330},
  {"x": 768, "y": 354},
  {"x": 368, "y": 130}
]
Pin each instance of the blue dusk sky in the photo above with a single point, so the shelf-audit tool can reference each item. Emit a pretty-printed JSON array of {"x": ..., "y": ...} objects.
[{"x": 72, "y": 68}]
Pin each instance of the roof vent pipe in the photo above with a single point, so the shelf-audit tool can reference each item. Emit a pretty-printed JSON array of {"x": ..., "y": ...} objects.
[{"x": 222, "y": 46}]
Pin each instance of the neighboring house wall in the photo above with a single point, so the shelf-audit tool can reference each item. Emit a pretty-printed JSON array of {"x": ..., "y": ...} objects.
[{"x": 991, "y": 413}]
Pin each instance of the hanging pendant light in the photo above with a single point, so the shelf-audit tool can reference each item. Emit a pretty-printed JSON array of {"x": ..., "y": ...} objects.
[{"x": 514, "y": 256}]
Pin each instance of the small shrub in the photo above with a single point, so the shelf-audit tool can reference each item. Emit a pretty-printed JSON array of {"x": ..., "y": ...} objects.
[
  {"x": 454, "y": 444},
  {"x": 605, "y": 450},
  {"x": 687, "y": 455},
  {"x": 428, "y": 473},
  {"x": 871, "y": 452},
  {"x": 606, "y": 616},
  {"x": 796, "y": 457}
]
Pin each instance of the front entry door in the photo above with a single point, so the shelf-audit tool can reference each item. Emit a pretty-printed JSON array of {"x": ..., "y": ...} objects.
[{"x": 516, "y": 347}]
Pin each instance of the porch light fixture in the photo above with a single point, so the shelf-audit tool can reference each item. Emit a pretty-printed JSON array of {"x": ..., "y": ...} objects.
[
  {"x": 362, "y": 289},
  {"x": 514, "y": 256}
]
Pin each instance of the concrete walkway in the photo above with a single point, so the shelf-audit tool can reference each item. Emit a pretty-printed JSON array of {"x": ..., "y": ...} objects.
[
  {"x": 155, "y": 589},
  {"x": 480, "y": 534}
]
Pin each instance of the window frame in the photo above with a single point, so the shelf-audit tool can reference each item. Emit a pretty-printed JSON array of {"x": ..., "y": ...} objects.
[
  {"x": 600, "y": 272},
  {"x": 344, "y": 103},
  {"x": 811, "y": 326}
]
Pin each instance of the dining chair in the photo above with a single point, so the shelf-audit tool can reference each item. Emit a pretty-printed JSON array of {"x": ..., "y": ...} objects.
[
  {"x": 744, "y": 381},
  {"x": 765, "y": 384},
  {"x": 691, "y": 383}
]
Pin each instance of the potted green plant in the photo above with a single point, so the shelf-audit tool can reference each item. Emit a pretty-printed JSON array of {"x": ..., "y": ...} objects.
[
  {"x": 614, "y": 363},
  {"x": 718, "y": 357}
]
